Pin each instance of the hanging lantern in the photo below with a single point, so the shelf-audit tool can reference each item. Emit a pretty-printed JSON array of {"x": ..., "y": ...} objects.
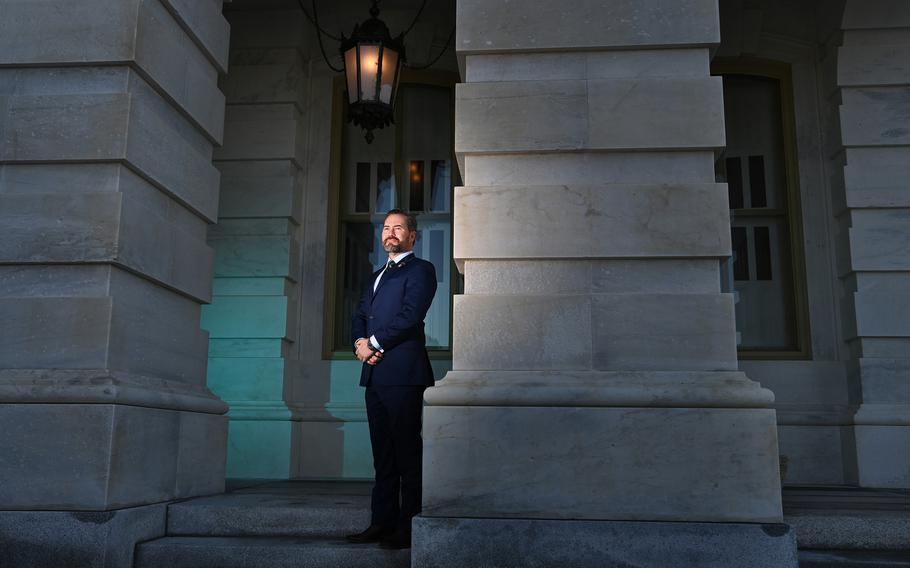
[{"x": 372, "y": 63}]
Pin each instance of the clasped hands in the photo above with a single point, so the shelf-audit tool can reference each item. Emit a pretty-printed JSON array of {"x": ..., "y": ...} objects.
[{"x": 365, "y": 354}]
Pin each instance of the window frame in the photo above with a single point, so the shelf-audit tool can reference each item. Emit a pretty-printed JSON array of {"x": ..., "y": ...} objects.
[
  {"x": 782, "y": 73},
  {"x": 334, "y": 238}
]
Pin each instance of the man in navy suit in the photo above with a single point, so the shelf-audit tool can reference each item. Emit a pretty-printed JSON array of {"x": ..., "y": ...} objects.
[{"x": 388, "y": 337}]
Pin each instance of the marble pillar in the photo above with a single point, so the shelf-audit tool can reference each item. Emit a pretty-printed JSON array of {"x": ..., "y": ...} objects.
[
  {"x": 873, "y": 74},
  {"x": 109, "y": 112},
  {"x": 595, "y": 391}
]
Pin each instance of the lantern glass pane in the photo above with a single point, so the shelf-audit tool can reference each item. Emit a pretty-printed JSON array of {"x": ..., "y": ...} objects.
[
  {"x": 389, "y": 64},
  {"x": 350, "y": 71},
  {"x": 369, "y": 71}
]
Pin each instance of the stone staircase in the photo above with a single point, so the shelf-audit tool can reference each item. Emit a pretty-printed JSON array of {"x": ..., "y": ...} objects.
[
  {"x": 281, "y": 524},
  {"x": 301, "y": 524}
]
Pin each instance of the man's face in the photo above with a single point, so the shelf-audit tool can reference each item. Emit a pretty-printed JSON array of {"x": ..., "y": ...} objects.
[{"x": 396, "y": 237}]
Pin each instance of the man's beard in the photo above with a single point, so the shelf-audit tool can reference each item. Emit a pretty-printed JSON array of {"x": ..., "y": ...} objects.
[{"x": 392, "y": 246}]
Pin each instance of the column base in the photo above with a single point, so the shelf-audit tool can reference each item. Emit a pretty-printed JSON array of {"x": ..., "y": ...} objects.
[
  {"x": 88, "y": 539},
  {"x": 440, "y": 542}
]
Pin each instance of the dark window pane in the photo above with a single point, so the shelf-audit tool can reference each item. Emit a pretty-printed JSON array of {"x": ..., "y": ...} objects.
[
  {"x": 735, "y": 182},
  {"x": 385, "y": 189},
  {"x": 757, "y": 181},
  {"x": 362, "y": 184},
  {"x": 416, "y": 194},
  {"x": 360, "y": 242},
  {"x": 441, "y": 182},
  {"x": 762, "y": 253},
  {"x": 740, "y": 254},
  {"x": 437, "y": 252}
]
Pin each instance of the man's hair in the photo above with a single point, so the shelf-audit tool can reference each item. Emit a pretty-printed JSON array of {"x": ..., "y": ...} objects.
[{"x": 411, "y": 218}]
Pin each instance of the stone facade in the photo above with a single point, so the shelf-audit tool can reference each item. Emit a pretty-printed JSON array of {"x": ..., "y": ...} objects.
[{"x": 168, "y": 220}]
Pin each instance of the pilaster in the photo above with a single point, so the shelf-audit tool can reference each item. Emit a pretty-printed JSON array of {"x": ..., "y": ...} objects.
[
  {"x": 874, "y": 80},
  {"x": 594, "y": 362}
]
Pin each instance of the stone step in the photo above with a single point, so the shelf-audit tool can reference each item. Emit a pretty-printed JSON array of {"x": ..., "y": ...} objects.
[
  {"x": 264, "y": 552},
  {"x": 302, "y": 509},
  {"x": 853, "y": 559}
]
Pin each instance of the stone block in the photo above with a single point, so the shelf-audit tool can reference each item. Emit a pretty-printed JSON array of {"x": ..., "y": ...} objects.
[
  {"x": 246, "y": 347},
  {"x": 874, "y": 14},
  {"x": 515, "y": 543},
  {"x": 586, "y": 65},
  {"x": 632, "y": 23},
  {"x": 61, "y": 332},
  {"x": 879, "y": 240},
  {"x": 655, "y": 464},
  {"x": 205, "y": 23},
  {"x": 570, "y": 276},
  {"x": 246, "y": 317},
  {"x": 885, "y": 381},
  {"x": 268, "y": 80},
  {"x": 522, "y": 332},
  {"x": 171, "y": 151},
  {"x": 610, "y": 221},
  {"x": 588, "y": 168},
  {"x": 259, "y": 449},
  {"x": 601, "y": 114},
  {"x": 155, "y": 332},
  {"x": 813, "y": 455},
  {"x": 880, "y": 462},
  {"x": 886, "y": 347},
  {"x": 201, "y": 455},
  {"x": 103, "y": 539},
  {"x": 877, "y": 177},
  {"x": 333, "y": 449},
  {"x": 176, "y": 63},
  {"x": 54, "y": 280},
  {"x": 247, "y": 379},
  {"x": 89, "y": 31},
  {"x": 875, "y": 116},
  {"x": 47, "y": 227},
  {"x": 256, "y": 256},
  {"x": 272, "y": 29},
  {"x": 882, "y": 313},
  {"x": 260, "y": 189},
  {"x": 873, "y": 65},
  {"x": 63, "y": 127},
  {"x": 261, "y": 132},
  {"x": 683, "y": 332}
]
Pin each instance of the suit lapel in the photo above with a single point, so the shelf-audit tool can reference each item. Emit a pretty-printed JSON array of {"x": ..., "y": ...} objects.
[{"x": 393, "y": 273}]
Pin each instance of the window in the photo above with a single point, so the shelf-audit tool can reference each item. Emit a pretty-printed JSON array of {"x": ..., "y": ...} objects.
[
  {"x": 408, "y": 166},
  {"x": 765, "y": 272}
]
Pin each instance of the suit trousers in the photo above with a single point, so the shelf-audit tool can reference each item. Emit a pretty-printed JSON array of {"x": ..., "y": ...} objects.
[{"x": 395, "y": 416}]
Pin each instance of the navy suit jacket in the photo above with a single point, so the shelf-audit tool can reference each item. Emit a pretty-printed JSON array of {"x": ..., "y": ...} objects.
[{"x": 394, "y": 313}]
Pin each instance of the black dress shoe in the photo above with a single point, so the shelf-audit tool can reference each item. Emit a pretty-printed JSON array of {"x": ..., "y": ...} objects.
[
  {"x": 374, "y": 533},
  {"x": 396, "y": 541}
]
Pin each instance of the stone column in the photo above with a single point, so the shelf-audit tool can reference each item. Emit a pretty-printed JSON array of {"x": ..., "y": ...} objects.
[
  {"x": 874, "y": 80},
  {"x": 109, "y": 112},
  {"x": 595, "y": 415}
]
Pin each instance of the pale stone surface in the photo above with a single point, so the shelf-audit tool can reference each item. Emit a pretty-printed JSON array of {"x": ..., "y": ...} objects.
[
  {"x": 664, "y": 332},
  {"x": 813, "y": 455},
  {"x": 617, "y": 220},
  {"x": 877, "y": 177},
  {"x": 622, "y": 23},
  {"x": 873, "y": 65},
  {"x": 260, "y": 189},
  {"x": 594, "y": 114},
  {"x": 873, "y": 116},
  {"x": 524, "y": 462},
  {"x": 587, "y": 168},
  {"x": 570, "y": 276},
  {"x": 879, "y": 239},
  {"x": 684, "y": 389},
  {"x": 875, "y": 14},
  {"x": 49, "y": 461},
  {"x": 103, "y": 539},
  {"x": 261, "y": 132},
  {"x": 203, "y": 20},
  {"x": 881, "y": 461},
  {"x": 587, "y": 65},
  {"x": 604, "y": 544}
]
